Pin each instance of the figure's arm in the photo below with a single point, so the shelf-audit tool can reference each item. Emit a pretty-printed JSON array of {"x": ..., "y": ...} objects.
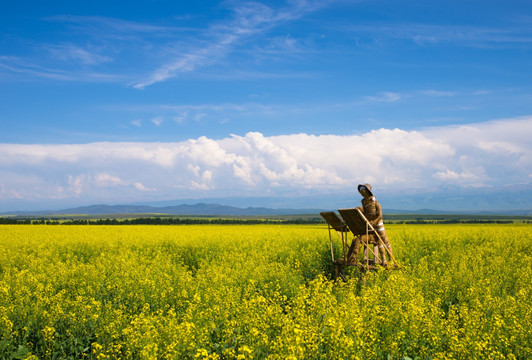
[{"x": 378, "y": 219}]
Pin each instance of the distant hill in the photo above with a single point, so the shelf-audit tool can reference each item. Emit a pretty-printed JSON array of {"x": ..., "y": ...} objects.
[
  {"x": 225, "y": 210},
  {"x": 184, "y": 209},
  {"x": 517, "y": 212}
]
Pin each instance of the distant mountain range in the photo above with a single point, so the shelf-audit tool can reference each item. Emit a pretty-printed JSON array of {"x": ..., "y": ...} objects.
[
  {"x": 225, "y": 210},
  {"x": 184, "y": 209}
]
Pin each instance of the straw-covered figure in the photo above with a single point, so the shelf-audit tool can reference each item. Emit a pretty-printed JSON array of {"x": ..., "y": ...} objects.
[{"x": 372, "y": 210}]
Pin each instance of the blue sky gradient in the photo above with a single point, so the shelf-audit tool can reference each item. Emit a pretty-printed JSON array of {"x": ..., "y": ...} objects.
[{"x": 253, "y": 79}]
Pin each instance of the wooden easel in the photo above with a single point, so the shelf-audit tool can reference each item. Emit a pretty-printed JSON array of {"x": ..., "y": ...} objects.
[
  {"x": 355, "y": 222},
  {"x": 335, "y": 223},
  {"x": 360, "y": 225}
]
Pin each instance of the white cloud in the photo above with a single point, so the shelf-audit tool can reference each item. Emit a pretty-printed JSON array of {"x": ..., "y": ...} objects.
[
  {"x": 75, "y": 53},
  {"x": 451, "y": 175},
  {"x": 106, "y": 179},
  {"x": 33, "y": 68},
  {"x": 482, "y": 154},
  {"x": 199, "y": 116},
  {"x": 498, "y": 147},
  {"x": 141, "y": 187},
  {"x": 438, "y": 93},
  {"x": 428, "y": 34},
  {"x": 181, "y": 118},
  {"x": 75, "y": 184},
  {"x": 249, "y": 18},
  {"x": 386, "y": 96},
  {"x": 157, "y": 120}
]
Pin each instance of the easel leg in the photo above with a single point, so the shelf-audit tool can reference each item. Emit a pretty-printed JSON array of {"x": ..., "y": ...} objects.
[{"x": 339, "y": 271}]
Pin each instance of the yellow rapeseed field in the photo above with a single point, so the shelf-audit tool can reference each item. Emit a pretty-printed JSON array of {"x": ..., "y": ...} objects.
[{"x": 261, "y": 292}]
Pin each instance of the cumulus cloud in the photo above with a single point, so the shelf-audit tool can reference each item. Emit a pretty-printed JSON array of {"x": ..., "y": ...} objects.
[
  {"x": 107, "y": 179},
  {"x": 482, "y": 154},
  {"x": 451, "y": 175}
]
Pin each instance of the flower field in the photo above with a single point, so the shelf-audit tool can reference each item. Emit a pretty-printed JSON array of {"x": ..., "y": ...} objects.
[{"x": 262, "y": 292}]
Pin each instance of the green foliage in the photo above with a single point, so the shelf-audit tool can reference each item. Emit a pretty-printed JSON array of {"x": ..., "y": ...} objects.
[
  {"x": 167, "y": 220},
  {"x": 262, "y": 292}
]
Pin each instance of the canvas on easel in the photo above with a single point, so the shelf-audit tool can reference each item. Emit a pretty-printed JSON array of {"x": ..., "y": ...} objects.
[
  {"x": 358, "y": 224},
  {"x": 335, "y": 223}
]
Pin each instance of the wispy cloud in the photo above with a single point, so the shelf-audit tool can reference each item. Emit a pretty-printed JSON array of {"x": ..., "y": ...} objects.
[
  {"x": 429, "y": 34},
  {"x": 71, "y": 52},
  {"x": 94, "y": 49},
  {"x": 107, "y": 44},
  {"x": 385, "y": 97},
  {"x": 17, "y": 65},
  {"x": 157, "y": 120},
  {"x": 249, "y": 18},
  {"x": 260, "y": 107},
  {"x": 433, "y": 92},
  {"x": 163, "y": 50},
  {"x": 183, "y": 112},
  {"x": 27, "y": 67},
  {"x": 113, "y": 27}
]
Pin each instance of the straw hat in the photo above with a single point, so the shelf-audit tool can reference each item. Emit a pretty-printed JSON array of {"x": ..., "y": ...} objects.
[{"x": 365, "y": 186}]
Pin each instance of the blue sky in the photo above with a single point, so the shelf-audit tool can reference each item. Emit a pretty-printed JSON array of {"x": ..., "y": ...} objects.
[{"x": 115, "y": 101}]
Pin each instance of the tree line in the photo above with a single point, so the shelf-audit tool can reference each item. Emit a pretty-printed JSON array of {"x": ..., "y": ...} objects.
[
  {"x": 221, "y": 221},
  {"x": 158, "y": 221}
]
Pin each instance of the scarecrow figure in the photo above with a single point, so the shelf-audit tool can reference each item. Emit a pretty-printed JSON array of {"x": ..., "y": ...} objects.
[{"x": 372, "y": 210}]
